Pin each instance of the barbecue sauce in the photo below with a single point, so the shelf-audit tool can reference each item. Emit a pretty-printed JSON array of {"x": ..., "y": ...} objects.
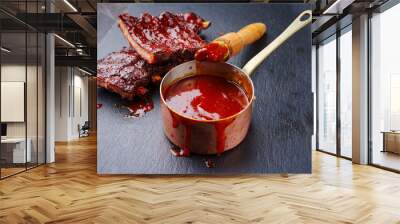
[
  {"x": 205, "y": 98},
  {"x": 214, "y": 52}
]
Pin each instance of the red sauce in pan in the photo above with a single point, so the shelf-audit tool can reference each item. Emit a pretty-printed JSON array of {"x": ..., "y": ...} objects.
[{"x": 205, "y": 97}]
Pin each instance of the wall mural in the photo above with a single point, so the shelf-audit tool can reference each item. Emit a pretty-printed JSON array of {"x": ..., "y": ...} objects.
[{"x": 175, "y": 95}]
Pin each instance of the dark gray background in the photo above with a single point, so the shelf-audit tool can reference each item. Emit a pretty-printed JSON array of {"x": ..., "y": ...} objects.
[{"x": 279, "y": 139}]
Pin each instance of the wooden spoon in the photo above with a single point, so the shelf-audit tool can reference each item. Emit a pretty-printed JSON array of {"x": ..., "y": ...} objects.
[{"x": 230, "y": 44}]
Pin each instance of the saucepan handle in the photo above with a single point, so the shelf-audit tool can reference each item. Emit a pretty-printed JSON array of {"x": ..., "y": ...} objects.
[{"x": 295, "y": 26}]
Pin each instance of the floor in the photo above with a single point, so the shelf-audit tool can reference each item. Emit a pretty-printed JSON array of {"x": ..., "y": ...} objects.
[
  {"x": 10, "y": 171},
  {"x": 70, "y": 191},
  {"x": 5, "y": 172},
  {"x": 387, "y": 159}
]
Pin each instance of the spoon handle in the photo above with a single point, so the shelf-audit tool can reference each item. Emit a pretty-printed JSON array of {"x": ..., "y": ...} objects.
[{"x": 295, "y": 26}]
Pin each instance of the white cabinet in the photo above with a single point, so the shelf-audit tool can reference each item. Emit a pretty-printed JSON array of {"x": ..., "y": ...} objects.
[{"x": 17, "y": 145}]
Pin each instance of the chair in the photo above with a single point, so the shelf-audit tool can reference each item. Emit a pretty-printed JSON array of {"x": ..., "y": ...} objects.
[{"x": 84, "y": 130}]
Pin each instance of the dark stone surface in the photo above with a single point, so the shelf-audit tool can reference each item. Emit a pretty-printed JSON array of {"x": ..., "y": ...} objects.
[{"x": 279, "y": 139}]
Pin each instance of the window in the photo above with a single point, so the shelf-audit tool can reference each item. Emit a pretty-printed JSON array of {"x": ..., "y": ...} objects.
[
  {"x": 327, "y": 96},
  {"x": 385, "y": 89},
  {"x": 346, "y": 93},
  {"x": 333, "y": 137}
]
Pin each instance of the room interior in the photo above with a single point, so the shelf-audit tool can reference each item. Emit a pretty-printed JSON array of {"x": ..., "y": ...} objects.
[
  {"x": 22, "y": 102},
  {"x": 49, "y": 124}
]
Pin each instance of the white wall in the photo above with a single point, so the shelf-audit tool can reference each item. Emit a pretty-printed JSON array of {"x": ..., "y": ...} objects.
[
  {"x": 33, "y": 126},
  {"x": 71, "y": 93},
  {"x": 12, "y": 73},
  {"x": 81, "y": 84},
  {"x": 16, "y": 72},
  {"x": 62, "y": 81}
]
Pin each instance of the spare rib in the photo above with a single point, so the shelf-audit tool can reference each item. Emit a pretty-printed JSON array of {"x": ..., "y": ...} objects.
[
  {"x": 166, "y": 37},
  {"x": 127, "y": 74}
]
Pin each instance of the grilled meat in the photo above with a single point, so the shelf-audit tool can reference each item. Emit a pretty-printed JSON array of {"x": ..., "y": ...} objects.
[
  {"x": 127, "y": 74},
  {"x": 157, "y": 45},
  {"x": 166, "y": 37}
]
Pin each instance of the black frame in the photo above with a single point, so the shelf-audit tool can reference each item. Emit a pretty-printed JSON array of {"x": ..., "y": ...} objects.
[{"x": 336, "y": 38}]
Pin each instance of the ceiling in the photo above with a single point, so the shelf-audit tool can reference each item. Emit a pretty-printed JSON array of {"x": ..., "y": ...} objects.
[{"x": 75, "y": 21}]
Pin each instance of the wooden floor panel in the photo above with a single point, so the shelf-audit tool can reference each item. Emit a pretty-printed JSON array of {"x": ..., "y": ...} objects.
[{"x": 70, "y": 191}]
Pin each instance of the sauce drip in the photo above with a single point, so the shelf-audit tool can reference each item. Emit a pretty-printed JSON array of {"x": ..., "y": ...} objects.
[
  {"x": 176, "y": 121},
  {"x": 137, "y": 108},
  {"x": 178, "y": 152},
  {"x": 204, "y": 97},
  {"x": 214, "y": 52},
  {"x": 209, "y": 163},
  {"x": 220, "y": 130}
]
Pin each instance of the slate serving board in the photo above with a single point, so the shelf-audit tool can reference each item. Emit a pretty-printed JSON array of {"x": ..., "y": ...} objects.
[{"x": 279, "y": 139}]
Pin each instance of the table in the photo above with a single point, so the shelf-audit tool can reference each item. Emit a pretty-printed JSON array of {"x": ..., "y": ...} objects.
[
  {"x": 19, "y": 155},
  {"x": 391, "y": 141}
]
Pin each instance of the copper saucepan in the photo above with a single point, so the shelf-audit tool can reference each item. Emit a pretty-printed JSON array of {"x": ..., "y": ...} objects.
[{"x": 218, "y": 136}]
